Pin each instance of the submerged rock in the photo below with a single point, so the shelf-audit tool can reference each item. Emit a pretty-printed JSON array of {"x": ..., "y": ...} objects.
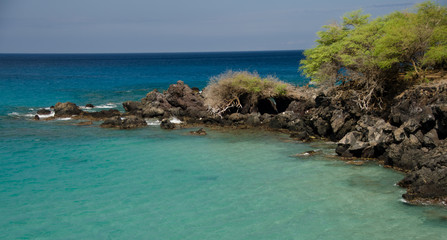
[
  {"x": 86, "y": 123},
  {"x": 301, "y": 136},
  {"x": 308, "y": 153},
  {"x": 355, "y": 162},
  {"x": 199, "y": 132}
]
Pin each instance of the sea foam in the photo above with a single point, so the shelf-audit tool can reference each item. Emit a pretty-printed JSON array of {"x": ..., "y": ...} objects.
[
  {"x": 107, "y": 105},
  {"x": 64, "y": 119},
  {"x": 30, "y": 115},
  {"x": 175, "y": 120},
  {"x": 153, "y": 122}
]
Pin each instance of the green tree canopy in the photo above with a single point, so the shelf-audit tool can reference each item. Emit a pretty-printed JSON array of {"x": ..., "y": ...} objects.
[{"x": 371, "y": 53}]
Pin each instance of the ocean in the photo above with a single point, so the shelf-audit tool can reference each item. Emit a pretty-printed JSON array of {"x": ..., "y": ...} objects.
[{"x": 59, "y": 180}]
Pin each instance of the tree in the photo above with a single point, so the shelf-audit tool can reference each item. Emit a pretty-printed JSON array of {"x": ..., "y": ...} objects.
[{"x": 368, "y": 56}]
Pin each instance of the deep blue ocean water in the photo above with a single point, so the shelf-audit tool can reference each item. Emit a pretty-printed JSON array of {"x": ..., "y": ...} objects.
[{"x": 63, "y": 181}]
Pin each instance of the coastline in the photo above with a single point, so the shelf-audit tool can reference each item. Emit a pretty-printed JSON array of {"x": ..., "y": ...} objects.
[{"x": 409, "y": 142}]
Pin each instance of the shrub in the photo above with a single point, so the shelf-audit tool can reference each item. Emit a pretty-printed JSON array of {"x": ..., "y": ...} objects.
[{"x": 242, "y": 89}]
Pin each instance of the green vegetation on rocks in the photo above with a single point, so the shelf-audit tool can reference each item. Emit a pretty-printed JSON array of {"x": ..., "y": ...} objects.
[
  {"x": 376, "y": 58},
  {"x": 243, "y": 89}
]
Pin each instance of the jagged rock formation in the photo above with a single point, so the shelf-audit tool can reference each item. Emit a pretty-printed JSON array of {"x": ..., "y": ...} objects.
[
  {"x": 179, "y": 101},
  {"x": 412, "y": 140}
]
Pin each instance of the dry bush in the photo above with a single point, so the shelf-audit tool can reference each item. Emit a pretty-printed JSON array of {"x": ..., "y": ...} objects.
[{"x": 238, "y": 89}]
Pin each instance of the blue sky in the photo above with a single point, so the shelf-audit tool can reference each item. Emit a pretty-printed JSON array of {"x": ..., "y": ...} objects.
[{"x": 101, "y": 26}]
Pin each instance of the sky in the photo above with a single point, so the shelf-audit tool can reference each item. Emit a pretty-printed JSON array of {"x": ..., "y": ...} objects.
[{"x": 140, "y": 26}]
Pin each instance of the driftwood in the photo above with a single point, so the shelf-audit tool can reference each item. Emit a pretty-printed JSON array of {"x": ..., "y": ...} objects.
[{"x": 234, "y": 102}]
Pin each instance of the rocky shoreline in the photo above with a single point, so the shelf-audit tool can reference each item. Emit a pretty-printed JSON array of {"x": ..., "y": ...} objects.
[{"x": 409, "y": 136}]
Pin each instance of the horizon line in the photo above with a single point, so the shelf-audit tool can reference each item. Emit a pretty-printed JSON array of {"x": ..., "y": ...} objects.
[{"x": 179, "y": 52}]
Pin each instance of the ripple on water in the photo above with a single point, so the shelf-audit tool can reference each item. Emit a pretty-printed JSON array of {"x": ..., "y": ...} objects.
[{"x": 100, "y": 183}]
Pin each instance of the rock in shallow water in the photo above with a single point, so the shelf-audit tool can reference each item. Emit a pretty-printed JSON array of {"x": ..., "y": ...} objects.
[
  {"x": 199, "y": 132},
  {"x": 86, "y": 123},
  {"x": 301, "y": 136},
  {"x": 103, "y": 114},
  {"x": 124, "y": 123},
  {"x": 43, "y": 111},
  {"x": 308, "y": 153},
  {"x": 66, "y": 109},
  {"x": 428, "y": 180},
  {"x": 166, "y": 124}
]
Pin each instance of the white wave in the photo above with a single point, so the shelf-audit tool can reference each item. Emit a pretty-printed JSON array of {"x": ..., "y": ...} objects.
[
  {"x": 175, "y": 120},
  {"x": 102, "y": 106},
  {"x": 403, "y": 200},
  {"x": 107, "y": 105},
  {"x": 14, "y": 114},
  {"x": 46, "y": 116},
  {"x": 31, "y": 115},
  {"x": 64, "y": 119},
  {"x": 153, "y": 122}
]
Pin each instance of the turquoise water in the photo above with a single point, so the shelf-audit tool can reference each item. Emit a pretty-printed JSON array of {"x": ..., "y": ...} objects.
[
  {"x": 62, "y": 181},
  {"x": 44, "y": 79}
]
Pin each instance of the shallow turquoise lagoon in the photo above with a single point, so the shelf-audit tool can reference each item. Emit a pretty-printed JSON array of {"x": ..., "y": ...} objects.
[{"x": 61, "y": 181}]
